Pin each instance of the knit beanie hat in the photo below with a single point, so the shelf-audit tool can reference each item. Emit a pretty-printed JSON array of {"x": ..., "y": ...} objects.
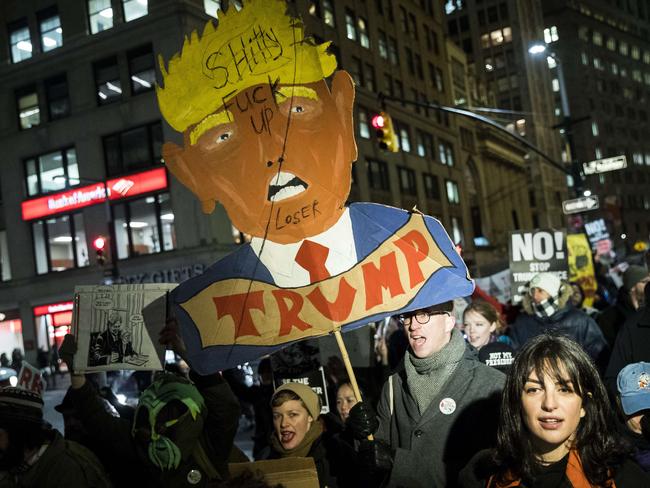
[
  {"x": 19, "y": 405},
  {"x": 306, "y": 394},
  {"x": 548, "y": 282},
  {"x": 633, "y": 274}
]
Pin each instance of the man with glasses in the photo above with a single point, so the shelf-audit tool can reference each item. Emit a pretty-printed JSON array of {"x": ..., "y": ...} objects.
[{"x": 435, "y": 412}]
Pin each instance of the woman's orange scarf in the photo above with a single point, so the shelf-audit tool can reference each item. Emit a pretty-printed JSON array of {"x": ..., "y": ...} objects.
[{"x": 574, "y": 473}]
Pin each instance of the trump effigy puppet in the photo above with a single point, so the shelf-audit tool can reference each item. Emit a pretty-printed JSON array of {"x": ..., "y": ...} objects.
[{"x": 268, "y": 132}]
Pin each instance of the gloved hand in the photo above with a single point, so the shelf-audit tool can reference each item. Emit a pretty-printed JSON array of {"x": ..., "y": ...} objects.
[
  {"x": 67, "y": 350},
  {"x": 377, "y": 456},
  {"x": 645, "y": 425},
  {"x": 362, "y": 420}
]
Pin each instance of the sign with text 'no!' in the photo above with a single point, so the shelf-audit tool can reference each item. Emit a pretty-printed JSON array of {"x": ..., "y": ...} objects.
[{"x": 533, "y": 252}]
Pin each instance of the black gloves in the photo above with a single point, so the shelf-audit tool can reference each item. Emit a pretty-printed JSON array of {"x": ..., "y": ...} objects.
[
  {"x": 377, "y": 456},
  {"x": 362, "y": 420},
  {"x": 645, "y": 425}
]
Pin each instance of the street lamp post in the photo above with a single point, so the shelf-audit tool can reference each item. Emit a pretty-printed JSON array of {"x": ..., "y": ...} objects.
[{"x": 567, "y": 121}]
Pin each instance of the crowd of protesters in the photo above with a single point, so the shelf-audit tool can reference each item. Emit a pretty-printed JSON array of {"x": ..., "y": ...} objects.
[{"x": 557, "y": 396}]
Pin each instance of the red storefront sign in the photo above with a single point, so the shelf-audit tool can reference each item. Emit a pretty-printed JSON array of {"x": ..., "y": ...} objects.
[
  {"x": 52, "y": 308},
  {"x": 118, "y": 188}
]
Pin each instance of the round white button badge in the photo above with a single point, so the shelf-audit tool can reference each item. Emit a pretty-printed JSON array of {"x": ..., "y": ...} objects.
[
  {"x": 447, "y": 406},
  {"x": 194, "y": 477}
]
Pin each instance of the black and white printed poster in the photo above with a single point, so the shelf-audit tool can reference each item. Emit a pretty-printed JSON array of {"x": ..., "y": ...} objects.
[
  {"x": 538, "y": 251},
  {"x": 314, "y": 379}
]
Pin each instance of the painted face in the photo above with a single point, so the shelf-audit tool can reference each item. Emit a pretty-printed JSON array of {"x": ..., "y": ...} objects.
[
  {"x": 291, "y": 421},
  {"x": 345, "y": 400},
  {"x": 430, "y": 336},
  {"x": 539, "y": 295},
  {"x": 552, "y": 411},
  {"x": 244, "y": 157}
]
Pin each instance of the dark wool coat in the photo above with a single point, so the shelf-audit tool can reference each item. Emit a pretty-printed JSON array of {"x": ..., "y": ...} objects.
[{"x": 430, "y": 449}]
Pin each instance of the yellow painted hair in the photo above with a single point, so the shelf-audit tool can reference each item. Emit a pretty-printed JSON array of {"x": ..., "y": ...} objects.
[{"x": 259, "y": 44}]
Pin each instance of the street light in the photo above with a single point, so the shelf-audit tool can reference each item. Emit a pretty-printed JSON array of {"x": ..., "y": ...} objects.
[{"x": 567, "y": 122}]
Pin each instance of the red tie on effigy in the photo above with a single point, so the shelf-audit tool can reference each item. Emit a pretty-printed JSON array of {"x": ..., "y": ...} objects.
[{"x": 312, "y": 256}]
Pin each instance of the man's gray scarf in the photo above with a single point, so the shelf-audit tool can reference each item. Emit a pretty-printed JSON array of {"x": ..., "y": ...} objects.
[{"x": 426, "y": 376}]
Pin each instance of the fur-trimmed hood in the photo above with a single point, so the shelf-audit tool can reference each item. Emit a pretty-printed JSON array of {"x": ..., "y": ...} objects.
[{"x": 564, "y": 297}]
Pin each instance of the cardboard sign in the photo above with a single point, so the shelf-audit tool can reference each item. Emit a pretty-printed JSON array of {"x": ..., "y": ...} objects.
[
  {"x": 581, "y": 266},
  {"x": 30, "y": 378},
  {"x": 315, "y": 380},
  {"x": 533, "y": 252},
  {"x": 111, "y": 330},
  {"x": 291, "y": 472}
]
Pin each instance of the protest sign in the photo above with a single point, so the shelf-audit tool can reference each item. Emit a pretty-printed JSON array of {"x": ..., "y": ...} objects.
[
  {"x": 291, "y": 472},
  {"x": 30, "y": 378},
  {"x": 596, "y": 231},
  {"x": 110, "y": 327},
  {"x": 314, "y": 379},
  {"x": 581, "y": 266},
  {"x": 533, "y": 252},
  {"x": 497, "y": 285}
]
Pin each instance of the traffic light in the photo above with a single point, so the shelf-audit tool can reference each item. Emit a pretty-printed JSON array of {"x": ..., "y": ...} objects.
[
  {"x": 99, "y": 244},
  {"x": 383, "y": 124}
]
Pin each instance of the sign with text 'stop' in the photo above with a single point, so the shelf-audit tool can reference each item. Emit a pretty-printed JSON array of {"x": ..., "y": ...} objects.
[
  {"x": 533, "y": 252},
  {"x": 604, "y": 165}
]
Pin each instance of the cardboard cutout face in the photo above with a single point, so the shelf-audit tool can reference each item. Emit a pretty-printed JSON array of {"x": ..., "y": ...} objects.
[{"x": 295, "y": 181}]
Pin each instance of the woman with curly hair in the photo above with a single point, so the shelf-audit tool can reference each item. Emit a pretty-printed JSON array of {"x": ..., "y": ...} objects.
[{"x": 556, "y": 426}]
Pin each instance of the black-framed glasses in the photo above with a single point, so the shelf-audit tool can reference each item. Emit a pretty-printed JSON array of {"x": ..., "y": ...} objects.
[{"x": 421, "y": 317}]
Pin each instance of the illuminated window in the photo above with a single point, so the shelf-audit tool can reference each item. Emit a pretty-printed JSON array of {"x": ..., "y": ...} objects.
[
  {"x": 382, "y": 45},
  {"x": 623, "y": 48},
  {"x": 54, "y": 171},
  {"x": 29, "y": 112},
  {"x": 107, "y": 81},
  {"x": 364, "y": 128},
  {"x": 392, "y": 51},
  {"x": 611, "y": 44},
  {"x": 141, "y": 69},
  {"x": 552, "y": 63},
  {"x": 328, "y": 13},
  {"x": 556, "y": 85},
  {"x": 50, "y": 27},
  {"x": 584, "y": 58},
  {"x": 598, "y": 64},
  {"x": 362, "y": 27},
  {"x": 404, "y": 137},
  {"x": 597, "y": 38},
  {"x": 5, "y": 264},
  {"x": 60, "y": 243},
  {"x": 424, "y": 146},
  {"x": 594, "y": 129},
  {"x": 550, "y": 34},
  {"x": 635, "y": 53},
  {"x": 598, "y": 153},
  {"x": 134, "y": 9},
  {"x": 350, "y": 25},
  {"x": 453, "y": 195},
  {"x": 446, "y": 153},
  {"x": 456, "y": 230},
  {"x": 144, "y": 226},
  {"x": 20, "y": 41},
  {"x": 646, "y": 57},
  {"x": 100, "y": 15}
]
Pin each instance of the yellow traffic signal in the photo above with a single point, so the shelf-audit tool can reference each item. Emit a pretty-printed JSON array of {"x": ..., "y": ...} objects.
[{"x": 383, "y": 125}]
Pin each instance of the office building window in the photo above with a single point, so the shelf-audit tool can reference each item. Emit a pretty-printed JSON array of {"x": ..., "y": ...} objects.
[
  {"x": 20, "y": 41},
  {"x": 403, "y": 136},
  {"x": 29, "y": 113},
  {"x": 141, "y": 69},
  {"x": 356, "y": 71},
  {"x": 133, "y": 149},
  {"x": 364, "y": 127},
  {"x": 435, "y": 74},
  {"x": 49, "y": 24},
  {"x": 57, "y": 96},
  {"x": 392, "y": 51},
  {"x": 446, "y": 152},
  {"x": 452, "y": 192},
  {"x": 623, "y": 48},
  {"x": 407, "y": 180},
  {"x": 456, "y": 230},
  {"x": 611, "y": 43},
  {"x": 107, "y": 81},
  {"x": 144, "y": 226},
  {"x": 369, "y": 77},
  {"x": 431, "y": 188},
  {"x": 496, "y": 37},
  {"x": 350, "y": 26},
  {"x": 51, "y": 172},
  {"x": 550, "y": 34},
  {"x": 134, "y": 9},
  {"x": 362, "y": 28},
  {"x": 409, "y": 60},
  {"x": 5, "y": 268},
  {"x": 100, "y": 15},
  {"x": 60, "y": 243},
  {"x": 424, "y": 144},
  {"x": 328, "y": 13},
  {"x": 377, "y": 175},
  {"x": 314, "y": 8},
  {"x": 382, "y": 44}
]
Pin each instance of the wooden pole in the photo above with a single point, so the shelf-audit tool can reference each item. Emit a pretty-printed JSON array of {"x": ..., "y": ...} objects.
[{"x": 348, "y": 368}]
